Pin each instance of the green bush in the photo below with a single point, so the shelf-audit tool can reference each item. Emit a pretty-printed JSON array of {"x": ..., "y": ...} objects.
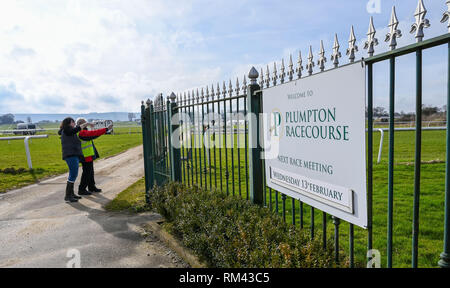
[{"x": 230, "y": 232}]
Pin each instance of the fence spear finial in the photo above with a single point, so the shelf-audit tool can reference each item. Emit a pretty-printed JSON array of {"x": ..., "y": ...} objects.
[
  {"x": 212, "y": 92},
  {"x": 322, "y": 58},
  {"x": 267, "y": 77},
  {"x": 224, "y": 90},
  {"x": 336, "y": 53},
  {"x": 230, "y": 89},
  {"x": 244, "y": 83},
  {"x": 198, "y": 96},
  {"x": 283, "y": 71},
  {"x": 371, "y": 40},
  {"x": 207, "y": 93},
  {"x": 310, "y": 64},
  {"x": 352, "y": 47},
  {"x": 218, "y": 91},
  {"x": 238, "y": 87},
  {"x": 421, "y": 21},
  {"x": 291, "y": 68},
  {"x": 446, "y": 16},
  {"x": 275, "y": 74},
  {"x": 394, "y": 32},
  {"x": 299, "y": 65},
  {"x": 261, "y": 80}
]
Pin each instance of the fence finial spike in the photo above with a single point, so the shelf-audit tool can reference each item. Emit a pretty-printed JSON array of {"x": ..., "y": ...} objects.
[
  {"x": 371, "y": 40},
  {"x": 310, "y": 64},
  {"x": 352, "y": 47},
  {"x": 261, "y": 81},
  {"x": 291, "y": 68},
  {"x": 212, "y": 92},
  {"x": 207, "y": 93},
  {"x": 421, "y": 21},
  {"x": 230, "y": 88},
  {"x": 149, "y": 102},
  {"x": 267, "y": 77},
  {"x": 299, "y": 65},
  {"x": 275, "y": 74},
  {"x": 198, "y": 96},
  {"x": 322, "y": 58},
  {"x": 244, "y": 84},
  {"x": 283, "y": 71},
  {"x": 224, "y": 89},
  {"x": 394, "y": 32},
  {"x": 336, "y": 53},
  {"x": 238, "y": 87},
  {"x": 446, "y": 16},
  {"x": 218, "y": 91}
]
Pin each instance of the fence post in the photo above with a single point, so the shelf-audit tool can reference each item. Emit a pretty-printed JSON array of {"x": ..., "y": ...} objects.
[
  {"x": 150, "y": 146},
  {"x": 255, "y": 163},
  {"x": 145, "y": 148},
  {"x": 174, "y": 139}
]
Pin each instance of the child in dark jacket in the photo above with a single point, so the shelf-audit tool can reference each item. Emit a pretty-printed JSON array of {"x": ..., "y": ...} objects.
[{"x": 90, "y": 154}]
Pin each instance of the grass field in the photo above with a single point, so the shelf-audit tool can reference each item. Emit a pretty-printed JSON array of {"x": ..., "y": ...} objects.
[
  {"x": 47, "y": 158},
  {"x": 431, "y": 202}
]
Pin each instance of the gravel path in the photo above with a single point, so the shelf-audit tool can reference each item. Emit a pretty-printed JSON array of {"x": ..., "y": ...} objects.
[{"x": 38, "y": 229}]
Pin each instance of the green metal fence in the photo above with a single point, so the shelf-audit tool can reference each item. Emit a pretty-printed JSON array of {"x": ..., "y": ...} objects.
[{"x": 215, "y": 141}]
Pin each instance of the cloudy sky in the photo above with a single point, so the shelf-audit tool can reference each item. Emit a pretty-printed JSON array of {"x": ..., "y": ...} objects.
[{"x": 77, "y": 56}]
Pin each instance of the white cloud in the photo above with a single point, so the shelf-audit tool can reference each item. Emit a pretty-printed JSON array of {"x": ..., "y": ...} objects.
[{"x": 100, "y": 55}]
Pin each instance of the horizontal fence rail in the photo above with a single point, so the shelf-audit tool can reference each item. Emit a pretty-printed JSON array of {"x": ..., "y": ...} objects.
[{"x": 217, "y": 134}]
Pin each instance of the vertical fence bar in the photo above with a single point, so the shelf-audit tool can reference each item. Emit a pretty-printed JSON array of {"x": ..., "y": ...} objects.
[
  {"x": 174, "y": 135},
  {"x": 183, "y": 141},
  {"x": 293, "y": 211},
  {"x": 418, "y": 159},
  {"x": 283, "y": 197},
  {"x": 205, "y": 170},
  {"x": 199, "y": 139},
  {"x": 312, "y": 222},
  {"x": 151, "y": 139},
  {"x": 391, "y": 161},
  {"x": 220, "y": 138},
  {"x": 227, "y": 174},
  {"x": 246, "y": 151},
  {"x": 444, "y": 262},
  {"x": 351, "y": 246},
  {"x": 232, "y": 140},
  {"x": 209, "y": 139},
  {"x": 238, "y": 141},
  {"x": 145, "y": 148},
  {"x": 255, "y": 170},
  {"x": 369, "y": 156},
  {"x": 301, "y": 214},
  {"x": 336, "y": 222},
  {"x": 324, "y": 230}
]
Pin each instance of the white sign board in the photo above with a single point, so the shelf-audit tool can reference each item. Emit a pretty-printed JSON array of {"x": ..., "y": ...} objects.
[{"x": 314, "y": 141}]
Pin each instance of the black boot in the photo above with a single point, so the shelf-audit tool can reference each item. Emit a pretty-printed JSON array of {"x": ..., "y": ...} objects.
[
  {"x": 69, "y": 193},
  {"x": 84, "y": 192},
  {"x": 95, "y": 190}
]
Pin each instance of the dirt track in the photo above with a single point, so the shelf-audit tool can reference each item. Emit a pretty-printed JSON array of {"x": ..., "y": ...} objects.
[{"x": 38, "y": 229}]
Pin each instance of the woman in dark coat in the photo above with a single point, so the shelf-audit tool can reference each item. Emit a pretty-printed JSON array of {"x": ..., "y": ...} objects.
[{"x": 71, "y": 153}]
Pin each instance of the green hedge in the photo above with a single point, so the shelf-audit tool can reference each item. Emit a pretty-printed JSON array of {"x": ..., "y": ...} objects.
[{"x": 230, "y": 232}]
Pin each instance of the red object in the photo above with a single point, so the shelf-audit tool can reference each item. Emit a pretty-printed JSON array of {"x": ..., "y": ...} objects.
[{"x": 93, "y": 133}]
